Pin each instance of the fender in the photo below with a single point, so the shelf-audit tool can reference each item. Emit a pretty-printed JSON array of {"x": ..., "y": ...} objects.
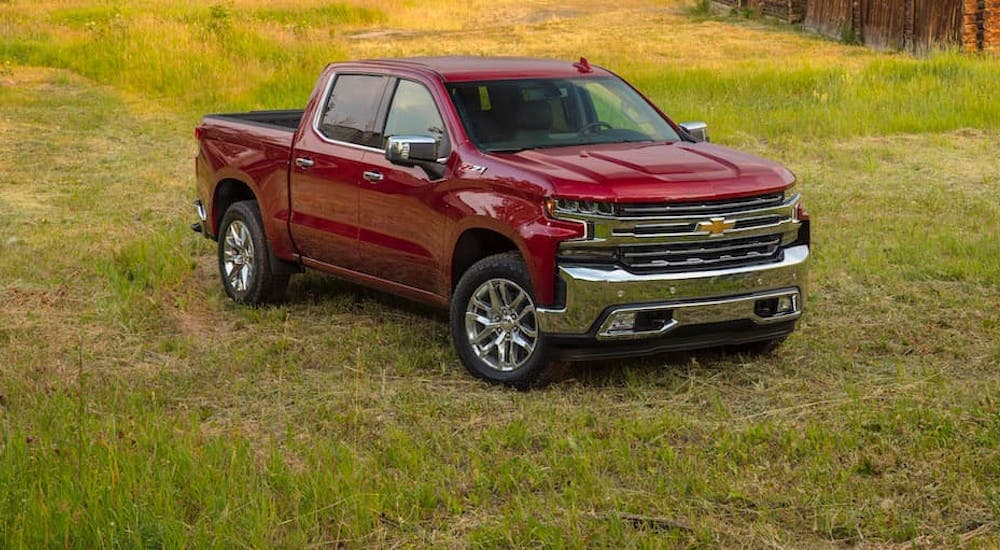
[
  {"x": 267, "y": 179},
  {"x": 520, "y": 220}
]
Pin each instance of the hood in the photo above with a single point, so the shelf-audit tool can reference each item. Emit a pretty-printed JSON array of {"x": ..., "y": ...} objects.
[{"x": 648, "y": 172}]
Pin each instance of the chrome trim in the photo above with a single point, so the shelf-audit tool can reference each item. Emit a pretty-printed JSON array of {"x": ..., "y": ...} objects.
[
  {"x": 372, "y": 176},
  {"x": 704, "y": 311},
  {"x": 788, "y": 204},
  {"x": 607, "y": 231},
  {"x": 202, "y": 213},
  {"x": 773, "y": 241},
  {"x": 303, "y": 162},
  {"x": 622, "y": 238},
  {"x": 698, "y": 130},
  {"x": 704, "y": 208},
  {"x": 590, "y": 291}
]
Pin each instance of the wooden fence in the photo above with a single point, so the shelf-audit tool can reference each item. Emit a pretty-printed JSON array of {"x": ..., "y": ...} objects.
[
  {"x": 912, "y": 25},
  {"x": 792, "y": 11},
  {"x": 981, "y": 25}
]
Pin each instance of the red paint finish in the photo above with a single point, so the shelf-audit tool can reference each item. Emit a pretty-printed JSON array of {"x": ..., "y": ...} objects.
[
  {"x": 641, "y": 172},
  {"x": 401, "y": 229},
  {"x": 324, "y": 200},
  {"x": 399, "y": 234},
  {"x": 259, "y": 160}
]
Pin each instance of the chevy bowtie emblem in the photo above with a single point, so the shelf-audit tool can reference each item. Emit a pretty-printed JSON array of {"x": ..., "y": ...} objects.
[{"x": 716, "y": 226}]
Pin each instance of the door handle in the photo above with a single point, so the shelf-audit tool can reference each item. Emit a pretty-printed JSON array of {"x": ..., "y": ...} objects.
[
  {"x": 372, "y": 176},
  {"x": 303, "y": 162}
]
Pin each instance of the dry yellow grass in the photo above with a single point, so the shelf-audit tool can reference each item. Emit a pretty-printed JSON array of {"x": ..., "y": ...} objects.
[{"x": 139, "y": 407}]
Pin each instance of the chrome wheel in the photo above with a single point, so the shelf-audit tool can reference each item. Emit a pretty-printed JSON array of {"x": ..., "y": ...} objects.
[
  {"x": 237, "y": 253},
  {"x": 500, "y": 324}
]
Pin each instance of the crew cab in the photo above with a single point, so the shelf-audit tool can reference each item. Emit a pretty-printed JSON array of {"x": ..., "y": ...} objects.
[{"x": 556, "y": 211}]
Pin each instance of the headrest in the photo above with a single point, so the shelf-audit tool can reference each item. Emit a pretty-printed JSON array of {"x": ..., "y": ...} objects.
[{"x": 535, "y": 115}]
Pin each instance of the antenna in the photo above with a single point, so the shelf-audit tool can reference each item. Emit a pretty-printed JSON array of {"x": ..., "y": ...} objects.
[{"x": 583, "y": 65}]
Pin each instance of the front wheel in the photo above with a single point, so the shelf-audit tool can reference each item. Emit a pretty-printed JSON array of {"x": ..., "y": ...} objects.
[
  {"x": 245, "y": 259},
  {"x": 494, "y": 324}
]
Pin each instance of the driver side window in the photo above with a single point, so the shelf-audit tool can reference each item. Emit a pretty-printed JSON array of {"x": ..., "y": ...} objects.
[{"x": 413, "y": 112}]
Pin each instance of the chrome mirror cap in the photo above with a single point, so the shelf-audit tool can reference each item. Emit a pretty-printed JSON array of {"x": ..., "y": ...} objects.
[
  {"x": 411, "y": 150},
  {"x": 697, "y": 130}
]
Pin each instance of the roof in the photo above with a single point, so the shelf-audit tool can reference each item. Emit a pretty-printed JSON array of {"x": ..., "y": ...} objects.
[{"x": 469, "y": 68}]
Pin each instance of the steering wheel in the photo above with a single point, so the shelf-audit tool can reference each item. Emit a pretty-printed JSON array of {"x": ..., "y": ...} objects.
[{"x": 593, "y": 127}]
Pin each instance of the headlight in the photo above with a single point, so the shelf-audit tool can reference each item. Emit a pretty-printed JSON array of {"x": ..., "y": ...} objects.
[{"x": 571, "y": 208}]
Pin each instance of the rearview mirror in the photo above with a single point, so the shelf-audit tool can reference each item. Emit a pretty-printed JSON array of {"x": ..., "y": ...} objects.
[
  {"x": 697, "y": 130},
  {"x": 411, "y": 150}
]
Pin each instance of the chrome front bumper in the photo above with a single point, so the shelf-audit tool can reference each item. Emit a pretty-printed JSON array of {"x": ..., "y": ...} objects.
[{"x": 594, "y": 295}]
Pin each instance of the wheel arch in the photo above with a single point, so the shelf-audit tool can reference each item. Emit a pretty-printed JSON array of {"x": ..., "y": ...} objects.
[
  {"x": 474, "y": 244},
  {"x": 228, "y": 192}
]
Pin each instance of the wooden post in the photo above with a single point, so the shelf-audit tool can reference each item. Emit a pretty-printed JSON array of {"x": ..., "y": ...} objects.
[
  {"x": 991, "y": 26},
  {"x": 980, "y": 25},
  {"x": 908, "y": 23},
  {"x": 857, "y": 27},
  {"x": 970, "y": 29}
]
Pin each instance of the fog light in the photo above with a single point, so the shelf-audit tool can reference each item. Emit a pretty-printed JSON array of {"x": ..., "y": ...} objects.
[
  {"x": 621, "y": 321},
  {"x": 786, "y": 304},
  {"x": 776, "y": 307}
]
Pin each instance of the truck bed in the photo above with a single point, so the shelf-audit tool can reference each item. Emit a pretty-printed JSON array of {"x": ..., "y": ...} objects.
[{"x": 285, "y": 119}]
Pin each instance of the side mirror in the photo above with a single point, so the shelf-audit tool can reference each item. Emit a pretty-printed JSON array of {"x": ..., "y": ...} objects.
[
  {"x": 697, "y": 130},
  {"x": 411, "y": 150}
]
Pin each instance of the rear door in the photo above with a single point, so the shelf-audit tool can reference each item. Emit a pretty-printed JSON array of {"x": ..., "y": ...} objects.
[
  {"x": 402, "y": 229},
  {"x": 327, "y": 166}
]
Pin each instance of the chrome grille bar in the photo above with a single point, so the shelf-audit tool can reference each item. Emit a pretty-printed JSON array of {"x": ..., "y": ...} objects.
[
  {"x": 689, "y": 236},
  {"x": 702, "y": 255},
  {"x": 725, "y": 246},
  {"x": 706, "y": 208}
]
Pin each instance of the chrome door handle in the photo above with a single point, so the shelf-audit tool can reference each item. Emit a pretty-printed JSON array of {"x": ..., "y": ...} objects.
[
  {"x": 303, "y": 162},
  {"x": 372, "y": 176}
]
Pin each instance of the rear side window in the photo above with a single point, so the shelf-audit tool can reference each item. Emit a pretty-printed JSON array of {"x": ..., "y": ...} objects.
[
  {"x": 414, "y": 113},
  {"x": 351, "y": 109}
]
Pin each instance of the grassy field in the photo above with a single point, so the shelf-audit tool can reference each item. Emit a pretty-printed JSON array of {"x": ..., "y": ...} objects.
[{"x": 139, "y": 407}]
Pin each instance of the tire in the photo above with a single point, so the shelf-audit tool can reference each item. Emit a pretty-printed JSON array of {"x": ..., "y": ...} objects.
[
  {"x": 493, "y": 323},
  {"x": 245, "y": 258}
]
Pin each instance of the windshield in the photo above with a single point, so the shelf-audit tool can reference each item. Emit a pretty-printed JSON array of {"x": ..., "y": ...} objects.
[{"x": 513, "y": 115}]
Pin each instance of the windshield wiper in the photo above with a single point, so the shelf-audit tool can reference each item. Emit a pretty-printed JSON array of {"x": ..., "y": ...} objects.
[{"x": 507, "y": 150}]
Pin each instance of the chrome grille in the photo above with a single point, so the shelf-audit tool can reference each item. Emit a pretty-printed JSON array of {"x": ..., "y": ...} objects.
[
  {"x": 698, "y": 255},
  {"x": 689, "y": 236},
  {"x": 703, "y": 208}
]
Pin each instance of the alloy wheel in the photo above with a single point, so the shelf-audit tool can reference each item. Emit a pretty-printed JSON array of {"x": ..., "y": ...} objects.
[
  {"x": 500, "y": 324},
  {"x": 238, "y": 254}
]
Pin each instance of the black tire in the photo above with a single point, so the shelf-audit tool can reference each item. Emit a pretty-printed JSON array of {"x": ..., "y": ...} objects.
[
  {"x": 508, "y": 274},
  {"x": 260, "y": 285}
]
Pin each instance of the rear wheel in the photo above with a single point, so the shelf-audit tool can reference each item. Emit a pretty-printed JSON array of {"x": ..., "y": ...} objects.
[
  {"x": 245, "y": 257},
  {"x": 494, "y": 324}
]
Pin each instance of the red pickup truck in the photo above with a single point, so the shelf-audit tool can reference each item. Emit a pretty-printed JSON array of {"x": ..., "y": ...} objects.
[{"x": 556, "y": 211}]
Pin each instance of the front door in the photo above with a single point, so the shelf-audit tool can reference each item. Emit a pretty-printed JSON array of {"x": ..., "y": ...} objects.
[{"x": 401, "y": 228}]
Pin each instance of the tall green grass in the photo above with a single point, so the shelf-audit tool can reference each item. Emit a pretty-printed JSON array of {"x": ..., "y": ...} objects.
[
  {"x": 140, "y": 407},
  {"x": 224, "y": 57},
  {"x": 888, "y": 95},
  {"x": 192, "y": 60}
]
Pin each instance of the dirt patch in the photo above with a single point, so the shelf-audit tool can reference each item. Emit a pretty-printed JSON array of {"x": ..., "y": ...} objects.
[
  {"x": 545, "y": 16},
  {"x": 382, "y": 34}
]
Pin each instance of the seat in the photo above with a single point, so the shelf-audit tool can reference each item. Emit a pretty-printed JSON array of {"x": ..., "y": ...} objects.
[{"x": 535, "y": 116}]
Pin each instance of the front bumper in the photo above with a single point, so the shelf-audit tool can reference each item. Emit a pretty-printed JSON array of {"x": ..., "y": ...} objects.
[{"x": 594, "y": 296}]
